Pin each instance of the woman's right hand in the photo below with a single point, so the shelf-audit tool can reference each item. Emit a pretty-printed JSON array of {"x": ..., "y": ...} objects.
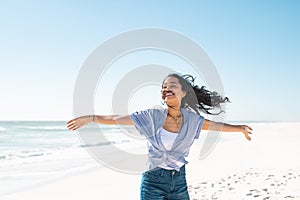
[{"x": 79, "y": 122}]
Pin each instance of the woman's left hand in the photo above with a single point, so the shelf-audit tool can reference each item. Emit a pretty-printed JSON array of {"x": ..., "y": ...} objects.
[{"x": 246, "y": 130}]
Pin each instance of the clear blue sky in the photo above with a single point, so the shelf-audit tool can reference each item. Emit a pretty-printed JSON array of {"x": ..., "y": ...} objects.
[{"x": 254, "y": 44}]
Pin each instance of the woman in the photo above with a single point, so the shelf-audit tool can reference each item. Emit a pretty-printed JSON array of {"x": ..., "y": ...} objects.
[{"x": 170, "y": 133}]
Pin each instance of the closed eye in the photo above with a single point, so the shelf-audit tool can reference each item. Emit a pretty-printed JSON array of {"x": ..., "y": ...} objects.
[{"x": 171, "y": 86}]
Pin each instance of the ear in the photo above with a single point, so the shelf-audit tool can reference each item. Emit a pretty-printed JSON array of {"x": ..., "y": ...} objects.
[{"x": 183, "y": 94}]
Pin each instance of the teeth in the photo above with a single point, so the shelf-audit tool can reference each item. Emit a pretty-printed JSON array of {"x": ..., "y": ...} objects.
[{"x": 169, "y": 94}]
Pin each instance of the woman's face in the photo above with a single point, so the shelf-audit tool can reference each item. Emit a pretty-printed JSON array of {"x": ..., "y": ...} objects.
[{"x": 172, "y": 91}]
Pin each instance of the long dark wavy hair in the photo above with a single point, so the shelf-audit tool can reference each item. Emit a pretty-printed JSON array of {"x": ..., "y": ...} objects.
[{"x": 198, "y": 98}]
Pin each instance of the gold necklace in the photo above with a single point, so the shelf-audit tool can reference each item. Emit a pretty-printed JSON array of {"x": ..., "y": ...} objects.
[{"x": 178, "y": 117}]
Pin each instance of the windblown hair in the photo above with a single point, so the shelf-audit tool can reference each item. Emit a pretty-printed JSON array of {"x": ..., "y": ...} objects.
[{"x": 198, "y": 98}]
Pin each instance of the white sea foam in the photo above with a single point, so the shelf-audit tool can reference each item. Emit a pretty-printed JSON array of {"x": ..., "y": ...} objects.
[
  {"x": 2, "y": 129},
  {"x": 50, "y": 128}
]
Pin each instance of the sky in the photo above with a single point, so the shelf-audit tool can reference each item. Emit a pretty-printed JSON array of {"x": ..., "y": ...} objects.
[{"x": 255, "y": 46}]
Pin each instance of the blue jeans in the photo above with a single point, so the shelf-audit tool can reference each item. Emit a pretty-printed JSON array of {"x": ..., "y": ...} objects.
[{"x": 162, "y": 184}]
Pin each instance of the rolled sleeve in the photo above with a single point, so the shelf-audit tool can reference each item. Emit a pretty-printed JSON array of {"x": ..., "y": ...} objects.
[
  {"x": 200, "y": 124},
  {"x": 143, "y": 121}
]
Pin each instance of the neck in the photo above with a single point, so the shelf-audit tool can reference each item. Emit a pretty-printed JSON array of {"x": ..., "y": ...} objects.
[{"x": 174, "y": 111}]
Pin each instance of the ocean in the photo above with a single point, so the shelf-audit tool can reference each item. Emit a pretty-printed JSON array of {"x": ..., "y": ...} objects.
[{"x": 35, "y": 152}]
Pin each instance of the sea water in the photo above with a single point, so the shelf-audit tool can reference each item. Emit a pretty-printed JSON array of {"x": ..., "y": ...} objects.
[{"x": 35, "y": 152}]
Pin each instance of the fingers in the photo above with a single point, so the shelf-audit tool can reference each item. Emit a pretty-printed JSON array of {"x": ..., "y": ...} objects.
[
  {"x": 71, "y": 125},
  {"x": 248, "y": 137},
  {"x": 71, "y": 121},
  {"x": 247, "y": 127},
  {"x": 247, "y": 130}
]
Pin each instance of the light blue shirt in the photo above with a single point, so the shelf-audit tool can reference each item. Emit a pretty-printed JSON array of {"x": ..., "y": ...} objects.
[{"x": 149, "y": 122}]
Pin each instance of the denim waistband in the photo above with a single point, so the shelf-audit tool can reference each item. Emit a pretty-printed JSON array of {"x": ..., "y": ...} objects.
[{"x": 167, "y": 172}]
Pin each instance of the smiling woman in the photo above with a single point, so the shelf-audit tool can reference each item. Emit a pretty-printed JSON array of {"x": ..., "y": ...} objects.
[{"x": 170, "y": 133}]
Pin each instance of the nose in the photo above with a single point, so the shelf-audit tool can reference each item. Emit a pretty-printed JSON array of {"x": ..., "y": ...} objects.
[{"x": 165, "y": 89}]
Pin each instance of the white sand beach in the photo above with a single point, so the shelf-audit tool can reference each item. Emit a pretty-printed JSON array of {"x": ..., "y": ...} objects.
[{"x": 268, "y": 167}]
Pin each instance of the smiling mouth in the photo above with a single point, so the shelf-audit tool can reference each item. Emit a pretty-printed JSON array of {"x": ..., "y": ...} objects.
[{"x": 168, "y": 94}]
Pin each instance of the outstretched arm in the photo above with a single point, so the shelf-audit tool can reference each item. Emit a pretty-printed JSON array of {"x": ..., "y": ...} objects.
[
  {"x": 101, "y": 119},
  {"x": 218, "y": 126}
]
